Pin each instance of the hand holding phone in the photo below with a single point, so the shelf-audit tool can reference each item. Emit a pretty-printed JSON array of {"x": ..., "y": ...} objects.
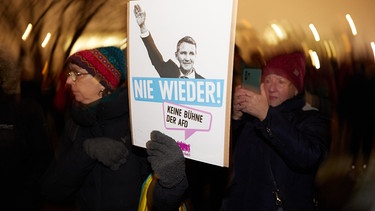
[{"x": 251, "y": 78}]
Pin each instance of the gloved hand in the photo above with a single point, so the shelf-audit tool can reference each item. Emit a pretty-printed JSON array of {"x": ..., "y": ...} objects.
[
  {"x": 112, "y": 153},
  {"x": 166, "y": 159}
]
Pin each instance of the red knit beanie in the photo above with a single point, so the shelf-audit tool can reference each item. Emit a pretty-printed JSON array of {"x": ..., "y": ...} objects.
[
  {"x": 106, "y": 63},
  {"x": 290, "y": 66}
]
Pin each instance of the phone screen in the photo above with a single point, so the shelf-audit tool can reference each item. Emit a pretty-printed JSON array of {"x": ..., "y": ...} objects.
[{"x": 251, "y": 78}]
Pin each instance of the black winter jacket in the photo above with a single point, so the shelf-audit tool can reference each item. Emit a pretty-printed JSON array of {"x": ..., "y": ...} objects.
[
  {"x": 289, "y": 145},
  {"x": 74, "y": 175}
]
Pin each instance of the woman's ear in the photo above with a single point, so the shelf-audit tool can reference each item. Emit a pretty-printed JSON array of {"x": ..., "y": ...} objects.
[{"x": 101, "y": 91}]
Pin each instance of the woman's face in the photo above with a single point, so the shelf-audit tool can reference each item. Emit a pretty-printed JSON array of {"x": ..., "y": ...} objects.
[
  {"x": 85, "y": 88},
  {"x": 278, "y": 89}
]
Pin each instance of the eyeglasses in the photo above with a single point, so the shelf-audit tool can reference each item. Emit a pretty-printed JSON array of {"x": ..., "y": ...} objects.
[{"x": 74, "y": 75}]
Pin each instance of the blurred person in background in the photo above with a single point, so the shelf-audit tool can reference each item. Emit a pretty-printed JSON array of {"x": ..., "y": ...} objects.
[
  {"x": 356, "y": 111},
  {"x": 346, "y": 179},
  {"x": 97, "y": 167},
  {"x": 25, "y": 150},
  {"x": 280, "y": 143}
]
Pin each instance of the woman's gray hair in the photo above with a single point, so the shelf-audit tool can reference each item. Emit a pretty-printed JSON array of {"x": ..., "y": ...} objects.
[{"x": 10, "y": 73}]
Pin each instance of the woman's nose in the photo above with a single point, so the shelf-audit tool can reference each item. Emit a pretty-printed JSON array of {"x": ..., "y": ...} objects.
[{"x": 69, "y": 80}]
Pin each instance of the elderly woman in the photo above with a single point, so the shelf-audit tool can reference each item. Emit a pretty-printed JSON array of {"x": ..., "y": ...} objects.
[
  {"x": 97, "y": 166},
  {"x": 280, "y": 144}
]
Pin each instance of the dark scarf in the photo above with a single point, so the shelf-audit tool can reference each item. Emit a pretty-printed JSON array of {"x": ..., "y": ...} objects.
[{"x": 91, "y": 115}]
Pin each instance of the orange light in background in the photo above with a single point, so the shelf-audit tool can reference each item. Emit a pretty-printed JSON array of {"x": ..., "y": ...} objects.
[
  {"x": 315, "y": 32},
  {"x": 278, "y": 30},
  {"x": 314, "y": 59},
  {"x": 46, "y": 40},
  {"x": 123, "y": 43},
  {"x": 27, "y": 31},
  {"x": 373, "y": 49},
  {"x": 98, "y": 40},
  {"x": 45, "y": 69},
  {"x": 351, "y": 24}
]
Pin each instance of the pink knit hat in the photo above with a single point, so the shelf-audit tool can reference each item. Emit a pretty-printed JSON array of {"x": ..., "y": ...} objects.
[{"x": 290, "y": 66}]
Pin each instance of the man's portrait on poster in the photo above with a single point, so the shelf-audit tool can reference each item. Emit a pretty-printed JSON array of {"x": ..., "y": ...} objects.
[{"x": 186, "y": 52}]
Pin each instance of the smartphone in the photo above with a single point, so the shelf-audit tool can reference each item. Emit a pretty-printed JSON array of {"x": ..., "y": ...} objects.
[{"x": 251, "y": 78}]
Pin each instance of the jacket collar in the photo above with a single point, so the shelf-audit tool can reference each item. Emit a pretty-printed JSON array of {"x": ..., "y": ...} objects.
[
  {"x": 292, "y": 104},
  {"x": 109, "y": 107}
]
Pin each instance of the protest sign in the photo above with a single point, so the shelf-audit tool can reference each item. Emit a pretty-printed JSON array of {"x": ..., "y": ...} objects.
[{"x": 195, "y": 111}]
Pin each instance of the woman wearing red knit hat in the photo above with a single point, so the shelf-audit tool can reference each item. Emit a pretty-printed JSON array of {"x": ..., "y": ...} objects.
[
  {"x": 280, "y": 145},
  {"x": 97, "y": 167}
]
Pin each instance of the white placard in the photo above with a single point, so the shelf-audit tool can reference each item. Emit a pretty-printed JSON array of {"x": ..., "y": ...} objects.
[{"x": 195, "y": 112}]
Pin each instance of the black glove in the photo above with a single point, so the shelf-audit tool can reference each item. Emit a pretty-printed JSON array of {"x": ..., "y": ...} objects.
[
  {"x": 112, "y": 153},
  {"x": 166, "y": 159}
]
